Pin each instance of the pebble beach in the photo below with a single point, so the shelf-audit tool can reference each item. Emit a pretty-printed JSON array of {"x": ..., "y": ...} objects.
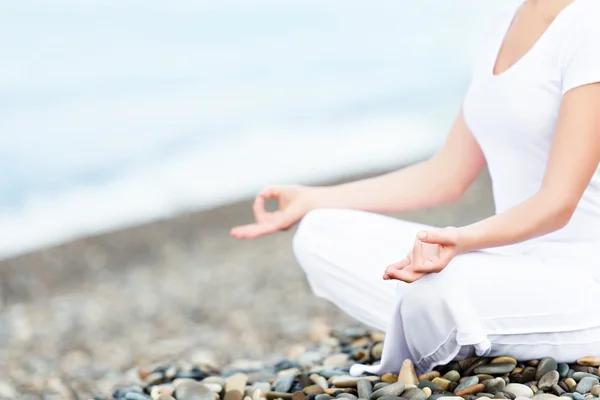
[{"x": 176, "y": 308}]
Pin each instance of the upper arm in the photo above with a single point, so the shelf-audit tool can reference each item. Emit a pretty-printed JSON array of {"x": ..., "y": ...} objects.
[
  {"x": 461, "y": 157},
  {"x": 575, "y": 152}
]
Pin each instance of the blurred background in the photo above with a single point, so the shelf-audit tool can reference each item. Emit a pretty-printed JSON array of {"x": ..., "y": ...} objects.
[{"x": 132, "y": 134}]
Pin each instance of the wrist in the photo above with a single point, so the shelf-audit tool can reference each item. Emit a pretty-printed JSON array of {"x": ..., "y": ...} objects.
[{"x": 464, "y": 244}]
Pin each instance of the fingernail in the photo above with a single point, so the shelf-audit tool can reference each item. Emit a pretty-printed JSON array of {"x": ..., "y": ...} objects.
[{"x": 422, "y": 235}]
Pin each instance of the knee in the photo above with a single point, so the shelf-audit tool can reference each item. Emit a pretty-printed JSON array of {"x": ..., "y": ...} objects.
[
  {"x": 306, "y": 239},
  {"x": 422, "y": 298}
]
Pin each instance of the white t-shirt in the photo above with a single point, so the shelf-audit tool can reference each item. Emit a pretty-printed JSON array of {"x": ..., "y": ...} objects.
[{"x": 513, "y": 117}]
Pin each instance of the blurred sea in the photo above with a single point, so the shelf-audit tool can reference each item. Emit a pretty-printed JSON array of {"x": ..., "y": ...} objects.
[{"x": 116, "y": 112}]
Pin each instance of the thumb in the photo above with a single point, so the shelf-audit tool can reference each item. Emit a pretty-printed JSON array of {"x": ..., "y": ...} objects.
[{"x": 443, "y": 237}]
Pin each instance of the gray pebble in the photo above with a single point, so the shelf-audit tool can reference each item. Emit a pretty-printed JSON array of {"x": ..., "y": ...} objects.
[
  {"x": 425, "y": 383},
  {"x": 321, "y": 397},
  {"x": 347, "y": 396},
  {"x": 545, "y": 365},
  {"x": 483, "y": 394},
  {"x": 191, "y": 390},
  {"x": 558, "y": 390},
  {"x": 380, "y": 385},
  {"x": 365, "y": 388},
  {"x": 563, "y": 370},
  {"x": 452, "y": 376},
  {"x": 580, "y": 375},
  {"x": 414, "y": 394},
  {"x": 138, "y": 396},
  {"x": 495, "y": 369},
  {"x": 395, "y": 389},
  {"x": 585, "y": 385},
  {"x": 470, "y": 381},
  {"x": 550, "y": 378},
  {"x": 578, "y": 396},
  {"x": 284, "y": 383}
]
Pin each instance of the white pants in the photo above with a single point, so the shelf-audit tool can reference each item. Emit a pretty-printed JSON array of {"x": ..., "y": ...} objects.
[{"x": 486, "y": 303}]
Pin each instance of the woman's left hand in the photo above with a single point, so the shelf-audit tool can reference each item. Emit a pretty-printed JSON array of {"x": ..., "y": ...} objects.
[{"x": 432, "y": 252}]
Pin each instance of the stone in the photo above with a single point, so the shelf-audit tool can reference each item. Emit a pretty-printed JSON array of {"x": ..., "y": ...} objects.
[
  {"x": 480, "y": 362},
  {"x": 139, "y": 396},
  {"x": 345, "y": 381},
  {"x": 558, "y": 389},
  {"x": 376, "y": 351},
  {"x": 214, "y": 379},
  {"x": 279, "y": 395},
  {"x": 545, "y": 365},
  {"x": 545, "y": 396},
  {"x": 495, "y": 369},
  {"x": 529, "y": 374},
  {"x": 154, "y": 378},
  {"x": 319, "y": 380},
  {"x": 585, "y": 385},
  {"x": 392, "y": 398},
  {"x": 365, "y": 388},
  {"x": 314, "y": 389},
  {"x": 429, "y": 376},
  {"x": 595, "y": 390},
  {"x": 563, "y": 369},
  {"x": 194, "y": 391},
  {"x": 380, "y": 385},
  {"x": 298, "y": 396},
  {"x": 407, "y": 374},
  {"x": 394, "y": 389},
  {"x": 519, "y": 390},
  {"x": 310, "y": 358},
  {"x": 484, "y": 377},
  {"x": 469, "y": 381},
  {"x": 413, "y": 394},
  {"x": 473, "y": 389},
  {"x": 441, "y": 382},
  {"x": 550, "y": 378},
  {"x": 571, "y": 383},
  {"x": 428, "y": 392},
  {"x": 165, "y": 397},
  {"x": 483, "y": 394},
  {"x": 450, "y": 398},
  {"x": 389, "y": 378},
  {"x": 494, "y": 385},
  {"x": 430, "y": 385},
  {"x": 289, "y": 371},
  {"x": 578, "y": 396},
  {"x": 339, "y": 360},
  {"x": 284, "y": 383},
  {"x": 580, "y": 375},
  {"x": 504, "y": 360},
  {"x": 347, "y": 396},
  {"x": 452, "y": 376},
  {"x": 592, "y": 361}
]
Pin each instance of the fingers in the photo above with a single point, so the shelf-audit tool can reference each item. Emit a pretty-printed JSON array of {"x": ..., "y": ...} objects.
[
  {"x": 395, "y": 267},
  {"x": 259, "y": 202},
  {"x": 444, "y": 237},
  {"x": 252, "y": 231}
]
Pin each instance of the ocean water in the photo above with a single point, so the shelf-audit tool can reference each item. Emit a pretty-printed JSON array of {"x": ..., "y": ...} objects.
[{"x": 116, "y": 112}]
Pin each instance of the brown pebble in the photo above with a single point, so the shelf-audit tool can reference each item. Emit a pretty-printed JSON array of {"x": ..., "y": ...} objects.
[
  {"x": 279, "y": 395},
  {"x": 442, "y": 383},
  {"x": 517, "y": 370},
  {"x": 571, "y": 384},
  {"x": 407, "y": 374},
  {"x": 377, "y": 336},
  {"x": 592, "y": 361},
  {"x": 165, "y": 397},
  {"x": 504, "y": 360},
  {"x": 144, "y": 371},
  {"x": 429, "y": 376},
  {"x": 533, "y": 363},
  {"x": 331, "y": 391},
  {"x": 389, "y": 378},
  {"x": 298, "y": 396},
  {"x": 484, "y": 377},
  {"x": 313, "y": 389},
  {"x": 478, "y": 388},
  {"x": 427, "y": 391},
  {"x": 467, "y": 362}
]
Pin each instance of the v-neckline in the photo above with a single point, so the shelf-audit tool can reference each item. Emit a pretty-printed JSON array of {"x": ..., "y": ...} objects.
[{"x": 537, "y": 42}]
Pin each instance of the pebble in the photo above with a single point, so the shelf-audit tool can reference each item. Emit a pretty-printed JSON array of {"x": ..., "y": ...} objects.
[
  {"x": 347, "y": 396},
  {"x": 545, "y": 365},
  {"x": 429, "y": 385},
  {"x": 284, "y": 383},
  {"x": 340, "y": 360},
  {"x": 139, "y": 396},
  {"x": 504, "y": 360},
  {"x": 365, "y": 388},
  {"x": 389, "y": 378},
  {"x": 563, "y": 370},
  {"x": 585, "y": 385},
  {"x": 159, "y": 390},
  {"x": 550, "y": 378},
  {"x": 395, "y": 389},
  {"x": 590, "y": 360},
  {"x": 344, "y": 381},
  {"x": 571, "y": 384},
  {"x": 165, "y": 397},
  {"x": 441, "y": 382},
  {"x": 580, "y": 375},
  {"x": 194, "y": 391},
  {"x": 495, "y": 369},
  {"x": 319, "y": 380},
  {"x": 544, "y": 396},
  {"x": 429, "y": 376},
  {"x": 427, "y": 391},
  {"x": 469, "y": 381},
  {"x": 518, "y": 389},
  {"x": 314, "y": 389},
  {"x": 380, "y": 385},
  {"x": 452, "y": 376},
  {"x": 474, "y": 389},
  {"x": 595, "y": 390},
  {"x": 279, "y": 395}
]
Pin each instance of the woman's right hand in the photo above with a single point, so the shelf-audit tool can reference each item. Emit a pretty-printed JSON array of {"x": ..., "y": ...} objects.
[{"x": 294, "y": 202}]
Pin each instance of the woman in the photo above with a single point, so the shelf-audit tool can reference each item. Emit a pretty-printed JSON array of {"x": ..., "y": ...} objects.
[{"x": 524, "y": 282}]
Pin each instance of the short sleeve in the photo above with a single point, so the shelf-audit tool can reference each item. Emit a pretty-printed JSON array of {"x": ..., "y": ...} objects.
[{"x": 582, "y": 62}]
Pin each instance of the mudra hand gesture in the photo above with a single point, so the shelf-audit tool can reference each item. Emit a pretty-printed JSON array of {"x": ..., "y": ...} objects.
[{"x": 432, "y": 252}]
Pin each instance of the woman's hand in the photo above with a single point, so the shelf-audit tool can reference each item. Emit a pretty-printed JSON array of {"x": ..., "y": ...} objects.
[
  {"x": 294, "y": 203},
  {"x": 432, "y": 252}
]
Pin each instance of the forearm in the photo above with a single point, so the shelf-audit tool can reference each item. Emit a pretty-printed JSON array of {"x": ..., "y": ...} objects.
[
  {"x": 537, "y": 216},
  {"x": 422, "y": 185}
]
